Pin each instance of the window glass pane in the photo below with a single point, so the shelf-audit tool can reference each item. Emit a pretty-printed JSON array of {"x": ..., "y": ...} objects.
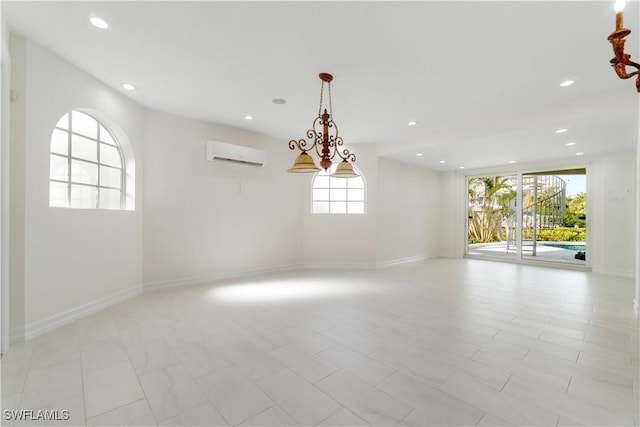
[
  {"x": 83, "y": 172},
  {"x": 338, "y": 207},
  {"x": 59, "y": 167},
  {"x": 355, "y": 207},
  {"x": 63, "y": 122},
  {"x": 320, "y": 194},
  {"x": 109, "y": 155},
  {"x": 356, "y": 194},
  {"x": 84, "y": 125},
  {"x": 110, "y": 177},
  {"x": 338, "y": 182},
  {"x": 105, "y": 136},
  {"x": 320, "y": 207},
  {"x": 356, "y": 182},
  {"x": 58, "y": 195},
  {"x": 84, "y": 148},
  {"x": 338, "y": 194},
  {"x": 321, "y": 181},
  {"x": 60, "y": 142},
  {"x": 109, "y": 199},
  {"x": 83, "y": 196}
]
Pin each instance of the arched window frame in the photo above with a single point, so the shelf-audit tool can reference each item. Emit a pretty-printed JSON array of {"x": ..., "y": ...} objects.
[
  {"x": 330, "y": 194},
  {"x": 62, "y": 185}
]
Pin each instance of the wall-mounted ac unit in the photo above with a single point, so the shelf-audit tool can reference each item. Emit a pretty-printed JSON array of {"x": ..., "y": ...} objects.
[{"x": 222, "y": 151}]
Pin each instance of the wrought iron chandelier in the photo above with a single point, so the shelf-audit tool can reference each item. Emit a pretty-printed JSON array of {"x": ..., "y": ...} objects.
[
  {"x": 324, "y": 138},
  {"x": 622, "y": 60}
]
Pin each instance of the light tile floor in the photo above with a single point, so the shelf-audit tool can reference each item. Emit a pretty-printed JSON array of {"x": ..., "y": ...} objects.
[{"x": 442, "y": 342}]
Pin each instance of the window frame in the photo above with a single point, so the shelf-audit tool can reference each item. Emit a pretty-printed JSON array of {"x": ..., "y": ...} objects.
[
  {"x": 329, "y": 187},
  {"x": 69, "y": 182}
]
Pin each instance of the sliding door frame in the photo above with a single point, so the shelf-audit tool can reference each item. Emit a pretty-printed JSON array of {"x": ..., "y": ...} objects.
[{"x": 519, "y": 259}]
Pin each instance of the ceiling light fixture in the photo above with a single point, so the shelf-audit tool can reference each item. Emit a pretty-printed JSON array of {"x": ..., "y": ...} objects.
[
  {"x": 622, "y": 60},
  {"x": 248, "y": 117},
  {"x": 570, "y": 144},
  {"x": 512, "y": 161},
  {"x": 561, "y": 130},
  {"x": 326, "y": 141},
  {"x": 443, "y": 161},
  {"x": 566, "y": 83},
  {"x": 461, "y": 167},
  {"x": 412, "y": 123},
  {"x": 579, "y": 154},
  {"x": 419, "y": 155},
  {"x": 98, "y": 22},
  {"x": 128, "y": 86}
]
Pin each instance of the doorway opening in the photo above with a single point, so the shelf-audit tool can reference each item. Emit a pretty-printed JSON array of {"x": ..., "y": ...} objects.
[{"x": 532, "y": 216}]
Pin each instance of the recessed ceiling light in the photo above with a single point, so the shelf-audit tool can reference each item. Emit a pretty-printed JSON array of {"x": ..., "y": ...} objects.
[
  {"x": 279, "y": 101},
  {"x": 248, "y": 117},
  {"x": 579, "y": 154},
  {"x": 512, "y": 161},
  {"x": 461, "y": 167},
  {"x": 570, "y": 144},
  {"x": 443, "y": 161},
  {"x": 412, "y": 123},
  {"x": 566, "y": 83},
  {"x": 561, "y": 130},
  {"x": 419, "y": 155},
  {"x": 128, "y": 86},
  {"x": 98, "y": 22}
]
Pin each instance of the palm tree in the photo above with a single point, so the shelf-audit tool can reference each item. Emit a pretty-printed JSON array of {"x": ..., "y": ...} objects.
[{"x": 489, "y": 205}]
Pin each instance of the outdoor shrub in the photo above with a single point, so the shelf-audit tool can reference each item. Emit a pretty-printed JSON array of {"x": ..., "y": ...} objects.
[{"x": 563, "y": 234}]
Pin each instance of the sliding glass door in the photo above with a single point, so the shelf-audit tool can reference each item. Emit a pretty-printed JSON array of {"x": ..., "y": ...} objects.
[
  {"x": 538, "y": 216},
  {"x": 492, "y": 216}
]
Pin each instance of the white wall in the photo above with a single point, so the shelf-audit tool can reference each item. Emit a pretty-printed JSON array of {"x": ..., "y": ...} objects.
[
  {"x": 5, "y": 86},
  {"x": 71, "y": 257},
  {"x": 408, "y": 212},
  {"x": 612, "y": 211},
  {"x": 452, "y": 234},
  {"x": 342, "y": 240},
  {"x": 17, "y": 50},
  {"x": 204, "y": 220},
  {"x": 637, "y": 298}
]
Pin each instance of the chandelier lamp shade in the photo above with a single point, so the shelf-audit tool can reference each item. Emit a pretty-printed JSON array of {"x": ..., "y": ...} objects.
[
  {"x": 324, "y": 140},
  {"x": 622, "y": 60}
]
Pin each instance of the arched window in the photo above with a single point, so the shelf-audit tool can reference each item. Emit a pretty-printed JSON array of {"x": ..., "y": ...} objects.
[
  {"x": 86, "y": 165},
  {"x": 332, "y": 195}
]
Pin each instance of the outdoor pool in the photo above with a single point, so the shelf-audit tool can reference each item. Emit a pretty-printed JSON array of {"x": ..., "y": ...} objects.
[{"x": 571, "y": 246}]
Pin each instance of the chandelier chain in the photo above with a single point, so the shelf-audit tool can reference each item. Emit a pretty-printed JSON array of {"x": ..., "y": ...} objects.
[
  {"x": 330, "y": 106},
  {"x": 321, "y": 93},
  {"x": 322, "y": 99}
]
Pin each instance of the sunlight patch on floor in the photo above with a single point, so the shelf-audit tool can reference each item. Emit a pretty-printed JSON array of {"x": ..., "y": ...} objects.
[{"x": 281, "y": 291}]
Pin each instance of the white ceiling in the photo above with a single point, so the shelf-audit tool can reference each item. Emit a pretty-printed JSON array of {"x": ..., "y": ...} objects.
[{"x": 480, "y": 78}]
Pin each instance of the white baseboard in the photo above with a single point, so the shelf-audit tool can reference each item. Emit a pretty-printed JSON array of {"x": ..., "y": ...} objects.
[
  {"x": 627, "y": 274},
  {"x": 340, "y": 265},
  {"x": 406, "y": 260},
  {"x": 448, "y": 254},
  {"x": 365, "y": 265},
  {"x": 193, "y": 281},
  {"x": 39, "y": 327}
]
